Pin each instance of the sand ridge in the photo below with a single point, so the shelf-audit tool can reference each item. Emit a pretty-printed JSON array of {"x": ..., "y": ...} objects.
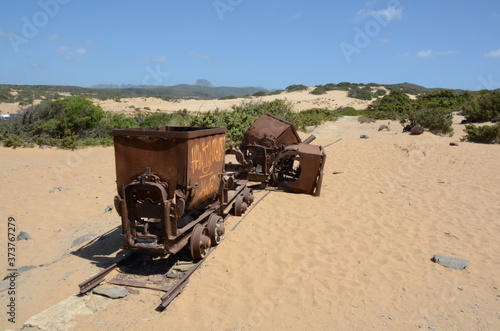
[{"x": 301, "y": 100}]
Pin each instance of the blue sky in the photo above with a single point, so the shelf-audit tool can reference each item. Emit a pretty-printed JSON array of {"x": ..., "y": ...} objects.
[{"x": 272, "y": 43}]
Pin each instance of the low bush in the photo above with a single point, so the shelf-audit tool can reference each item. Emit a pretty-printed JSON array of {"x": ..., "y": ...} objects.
[
  {"x": 296, "y": 87},
  {"x": 487, "y": 134},
  {"x": 313, "y": 117},
  {"x": 228, "y": 97},
  {"x": 318, "y": 91},
  {"x": 276, "y": 92},
  {"x": 484, "y": 107},
  {"x": 350, "y": 111},
  {"x": 436, "y": 120},
  {"x": 363, "y": 93}
]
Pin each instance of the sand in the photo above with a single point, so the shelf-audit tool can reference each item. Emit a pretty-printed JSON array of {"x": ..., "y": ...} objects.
[
  {"x": 358, "y": 257},
  {"x": 301, "y": 100}
]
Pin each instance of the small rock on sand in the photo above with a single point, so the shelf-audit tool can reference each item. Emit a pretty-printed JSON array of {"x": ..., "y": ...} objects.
[
  {"x": 417, "y": 129},
  {"x": 23, "y": 236},
  {"x": 450, "y": 262},
  {"x": 113, "y": 292},
  {"x": 384, "y": 128}
]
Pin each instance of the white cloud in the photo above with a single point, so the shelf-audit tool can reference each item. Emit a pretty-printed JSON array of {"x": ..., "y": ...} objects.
[
  {"x": 429, "y": 53},
  {"x": 54, "y": 37},
  {"x": 157, "y": 59},
  {"x": 404, "y": 54},
  {"x": 296, "y": 16},
  {"x": 70, "y": 54},
  {"x": 493, "y": 53},
  {"x": 387, "y": 15}
]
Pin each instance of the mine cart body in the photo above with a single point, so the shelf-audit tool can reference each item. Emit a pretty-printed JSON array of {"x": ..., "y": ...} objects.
[
  {"x": 166, "y": 178},
  {"x": 262, "y": 142},
  {"x": 299, "y": 169},
  {"x": 272, "y": 153}
]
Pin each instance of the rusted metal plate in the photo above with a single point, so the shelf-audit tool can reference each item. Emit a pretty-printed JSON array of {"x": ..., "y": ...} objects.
[
  {"x": 271, "y": 131},
  {"x": 300, "y": 169}
]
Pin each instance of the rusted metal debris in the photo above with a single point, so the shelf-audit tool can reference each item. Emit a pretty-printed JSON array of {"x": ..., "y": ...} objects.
[
  {"x": 272, "y": 153},
  {"x": 175, "y": 190}
]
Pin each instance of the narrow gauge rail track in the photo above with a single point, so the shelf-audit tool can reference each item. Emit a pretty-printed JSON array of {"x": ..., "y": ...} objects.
[{"x": 168, "y": 274}]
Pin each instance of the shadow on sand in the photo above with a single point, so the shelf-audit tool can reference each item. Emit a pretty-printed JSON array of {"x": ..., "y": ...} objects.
[{"x": 103, "y": 250}]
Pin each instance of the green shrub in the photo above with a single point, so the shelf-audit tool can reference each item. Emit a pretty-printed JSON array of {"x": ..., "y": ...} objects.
[
  {"x": 436, "y": 120},
  {"x": 228, "y": 97},
  {"x": 276, "y": 92},
  {"x": 380, "y": 93},
  {"x": 165, "y": 119},
  {"x": 296, "y": 87},
  {"x": 313, "y": 117},
  {"x": 446, "y": 98},
  {"x": 350, "y": 111},
  {"x": 487, "y": 134},
  {"x": 360, "y": 93},
  {"x": 329, "y": 87},
  {"x": 345, "y": 86},
  {"x": 484, "y": 107},
  {"x": 394, "y": 103},
  {"x": 318, "y": 91},
  {"x": 112, "y": 121},
  {"x": 77, "y": 114},
  {"x": 259, "y": 94}
]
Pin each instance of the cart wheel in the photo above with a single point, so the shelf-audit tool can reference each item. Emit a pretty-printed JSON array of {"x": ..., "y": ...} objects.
[
  {"x": 240, "y": 206},
  {"x": 216, "y": 229},
  {"x": 200, "y": 242},
  {"x": 248, "y": 195}
]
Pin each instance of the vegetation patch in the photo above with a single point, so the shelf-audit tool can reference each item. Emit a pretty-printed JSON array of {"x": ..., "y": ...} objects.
[
  {"x": 483, "y": 107},
  {"x": 486, "y": 134},
  {"x": 296, "y": 88},
  {"x": 76, "y": 122}
]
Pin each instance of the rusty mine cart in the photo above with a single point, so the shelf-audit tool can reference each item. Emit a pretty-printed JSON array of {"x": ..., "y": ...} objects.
[
  {"x": 272, "y": 153},
  {"x": 172, "y": 188}
]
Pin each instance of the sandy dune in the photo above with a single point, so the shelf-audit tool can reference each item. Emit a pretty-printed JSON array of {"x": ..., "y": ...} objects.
[
  {"x": 356, "y": 258},
  {"x": 301, "y": 100}
]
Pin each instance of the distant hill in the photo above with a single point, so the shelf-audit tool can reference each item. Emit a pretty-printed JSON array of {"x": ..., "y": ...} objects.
[
  {"x": 203, "y": 89},
  {"x": 28, "y": 93},
  {"x": 204, "y": 82}
]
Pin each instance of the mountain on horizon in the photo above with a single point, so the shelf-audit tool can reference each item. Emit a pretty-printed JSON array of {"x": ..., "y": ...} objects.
[{"x": 204, "y": 82}]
